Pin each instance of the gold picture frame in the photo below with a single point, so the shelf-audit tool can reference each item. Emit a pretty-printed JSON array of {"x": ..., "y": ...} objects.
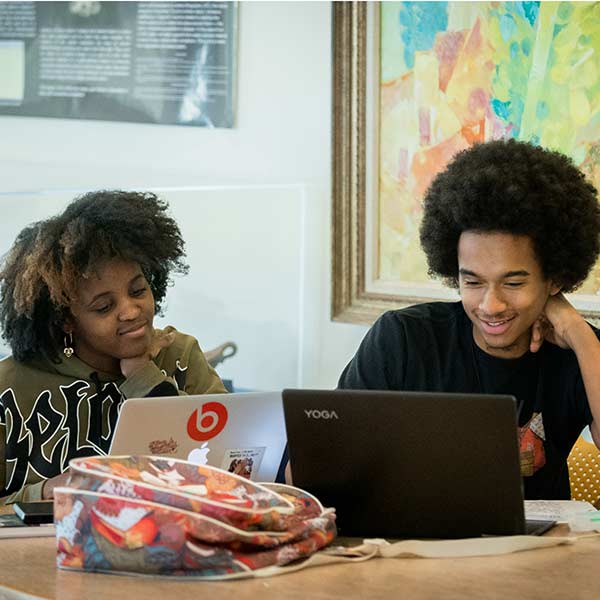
[
  {"x": 351, "y": 301},
  {"x": 355, "y": 227}
]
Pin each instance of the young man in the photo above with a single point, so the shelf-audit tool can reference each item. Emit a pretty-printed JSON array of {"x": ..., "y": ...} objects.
[{"x": 512, "y": 226}]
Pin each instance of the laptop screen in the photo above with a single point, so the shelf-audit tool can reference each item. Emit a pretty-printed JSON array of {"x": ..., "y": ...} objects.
[
  {"x": 243, "y": 433},
  {"x": 408, "y": 464}
]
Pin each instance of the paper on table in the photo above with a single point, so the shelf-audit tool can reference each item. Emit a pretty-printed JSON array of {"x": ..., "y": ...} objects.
[
  {"x": 12, "y": 527},
  {"x": 556, "y": 510}
]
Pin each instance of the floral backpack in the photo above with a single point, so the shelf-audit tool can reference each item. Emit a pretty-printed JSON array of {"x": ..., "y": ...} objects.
[{"x": 162, "y": 516}]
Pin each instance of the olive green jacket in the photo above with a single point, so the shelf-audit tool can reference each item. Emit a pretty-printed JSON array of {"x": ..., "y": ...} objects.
[{"x": 51, "y": 413}]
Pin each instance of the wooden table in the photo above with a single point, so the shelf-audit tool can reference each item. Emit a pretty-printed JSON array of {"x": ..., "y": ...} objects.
[{"x": 27, "y": 570}]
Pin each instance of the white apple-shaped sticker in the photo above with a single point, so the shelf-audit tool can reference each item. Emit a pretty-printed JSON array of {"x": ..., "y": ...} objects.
[{"x": 199, "y": 456}]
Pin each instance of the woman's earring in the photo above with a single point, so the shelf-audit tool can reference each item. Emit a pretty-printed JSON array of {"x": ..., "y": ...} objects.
[{"x": 68, "y": 350}]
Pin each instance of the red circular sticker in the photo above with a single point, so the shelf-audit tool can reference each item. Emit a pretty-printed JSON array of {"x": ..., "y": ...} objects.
[{"x": 209, "y": 423}]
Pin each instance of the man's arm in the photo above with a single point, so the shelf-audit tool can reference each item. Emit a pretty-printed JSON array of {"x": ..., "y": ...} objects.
[
  {"x": 586, "y": 346},
  {"x": 562, "y": 325}
]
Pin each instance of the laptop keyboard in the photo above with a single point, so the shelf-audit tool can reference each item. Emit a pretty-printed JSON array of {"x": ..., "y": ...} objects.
[{"x": 537, "y": 526}]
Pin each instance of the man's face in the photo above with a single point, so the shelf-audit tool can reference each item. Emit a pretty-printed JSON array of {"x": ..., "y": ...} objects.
[
  {"x": 112, "y": 316},
  {"x": 502, "y": 288}
]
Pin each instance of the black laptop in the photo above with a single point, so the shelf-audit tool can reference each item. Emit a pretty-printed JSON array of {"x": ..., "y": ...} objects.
[{"x": 409, "y": 464}]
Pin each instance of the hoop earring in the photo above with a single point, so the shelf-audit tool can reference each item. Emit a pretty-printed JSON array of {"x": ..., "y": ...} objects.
[{"x": 68, "y": 349}]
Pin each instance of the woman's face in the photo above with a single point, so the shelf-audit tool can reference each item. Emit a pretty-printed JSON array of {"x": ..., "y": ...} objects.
[{"x": 112, "y": 316}]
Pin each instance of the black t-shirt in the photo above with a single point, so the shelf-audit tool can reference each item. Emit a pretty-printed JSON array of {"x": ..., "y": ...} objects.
[
  {"x": 430, "y": 347},
  {"x": 518, "y": 377}
]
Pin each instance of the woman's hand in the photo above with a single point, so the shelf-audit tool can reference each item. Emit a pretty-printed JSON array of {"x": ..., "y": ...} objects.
[
  {"x": 54, "y": 482},
  {"x": 160, "y": 340}
]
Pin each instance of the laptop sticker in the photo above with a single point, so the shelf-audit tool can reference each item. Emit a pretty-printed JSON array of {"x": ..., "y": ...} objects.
[
  {"x": 244, "y": 462},
  {"x": 199, "y": 456},
  {"x": 209, "y": 423},
  {"x": 163, "y": 446}
]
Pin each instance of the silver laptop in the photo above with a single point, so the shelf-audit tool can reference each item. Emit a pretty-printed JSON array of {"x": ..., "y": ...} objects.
[
  {"x": 409, "y": 464},
  {"x": 241, "y": 433}
]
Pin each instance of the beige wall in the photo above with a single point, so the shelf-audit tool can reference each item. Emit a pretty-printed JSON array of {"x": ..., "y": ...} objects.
[{"x": 281, "y": 144}]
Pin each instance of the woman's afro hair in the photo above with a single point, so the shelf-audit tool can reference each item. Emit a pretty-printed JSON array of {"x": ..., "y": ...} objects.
[{"x": 40, "y": 274}]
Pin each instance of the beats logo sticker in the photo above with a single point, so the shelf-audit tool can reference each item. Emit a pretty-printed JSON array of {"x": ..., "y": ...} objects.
[{"x": 209, "y": 423}]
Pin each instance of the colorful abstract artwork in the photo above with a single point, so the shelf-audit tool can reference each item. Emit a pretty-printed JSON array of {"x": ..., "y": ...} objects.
[{"x": 455, "y": 73}]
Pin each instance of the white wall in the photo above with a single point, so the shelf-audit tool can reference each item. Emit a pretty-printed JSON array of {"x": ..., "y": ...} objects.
[{"x": 281, "y": 145}]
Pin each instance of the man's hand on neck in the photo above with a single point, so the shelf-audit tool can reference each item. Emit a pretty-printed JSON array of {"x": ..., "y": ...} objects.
[{"x": 559, "y": 324}]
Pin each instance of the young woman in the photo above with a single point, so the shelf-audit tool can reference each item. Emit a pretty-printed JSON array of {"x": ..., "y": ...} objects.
[{"x": 78, "y": 295}]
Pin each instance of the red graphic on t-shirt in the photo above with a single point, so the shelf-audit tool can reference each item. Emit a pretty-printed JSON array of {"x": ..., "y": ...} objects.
[
  {"x": 531, "y": 446},
  {"x": 210, "y": 422}
]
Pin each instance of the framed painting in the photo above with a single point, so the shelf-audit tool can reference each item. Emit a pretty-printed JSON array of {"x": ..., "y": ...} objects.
[{"x": 416, "y": 82}]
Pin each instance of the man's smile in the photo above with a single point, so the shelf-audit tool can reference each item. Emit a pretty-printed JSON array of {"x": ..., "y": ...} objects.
[{"x": 495, "y": 325}]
